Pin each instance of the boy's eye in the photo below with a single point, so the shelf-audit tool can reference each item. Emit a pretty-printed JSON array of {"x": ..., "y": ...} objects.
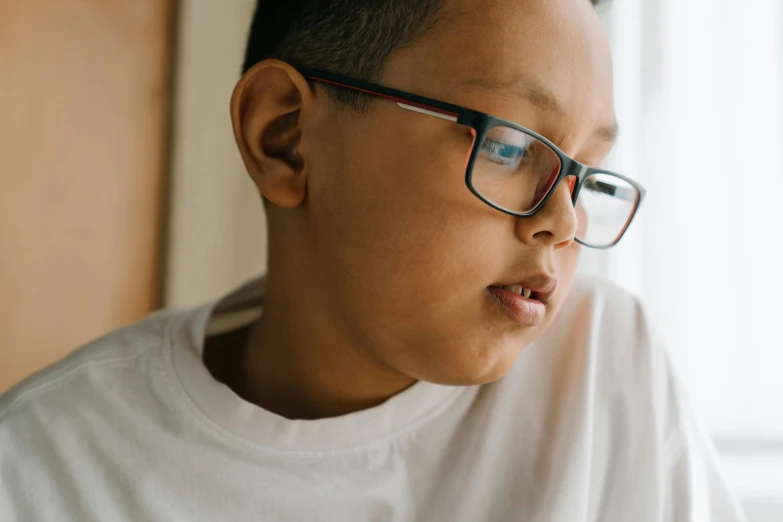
[
  {"x": 503, "y": 153},
  {"x": 507, "y": 148}
]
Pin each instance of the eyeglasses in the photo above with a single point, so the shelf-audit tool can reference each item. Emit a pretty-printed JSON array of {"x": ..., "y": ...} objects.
[{"x": 515, "y": 170}]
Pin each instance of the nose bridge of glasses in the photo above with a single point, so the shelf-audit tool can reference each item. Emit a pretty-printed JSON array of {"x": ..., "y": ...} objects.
[{"x": 574, "y": 168}]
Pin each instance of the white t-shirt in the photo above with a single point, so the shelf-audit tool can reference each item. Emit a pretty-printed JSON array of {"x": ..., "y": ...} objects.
[{"x": 589, "y": 425}]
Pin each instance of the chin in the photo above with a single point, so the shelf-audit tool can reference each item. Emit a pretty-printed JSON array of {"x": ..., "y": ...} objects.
[
  {"x": 460, "y": 370},
  {"x": 474, "y": 379}
]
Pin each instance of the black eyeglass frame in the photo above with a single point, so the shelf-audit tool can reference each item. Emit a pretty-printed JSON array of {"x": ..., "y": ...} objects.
[{"x": 480, "y": 124}]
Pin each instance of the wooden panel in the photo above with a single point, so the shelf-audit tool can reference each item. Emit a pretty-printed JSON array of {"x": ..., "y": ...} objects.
[{"x": 84, "y": 90}]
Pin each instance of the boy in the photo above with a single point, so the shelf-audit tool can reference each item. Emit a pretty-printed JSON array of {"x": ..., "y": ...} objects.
[{"x": 425, "y": 351}]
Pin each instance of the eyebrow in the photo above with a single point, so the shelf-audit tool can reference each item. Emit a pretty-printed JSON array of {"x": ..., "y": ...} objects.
[{"x": 532, "y": 91}]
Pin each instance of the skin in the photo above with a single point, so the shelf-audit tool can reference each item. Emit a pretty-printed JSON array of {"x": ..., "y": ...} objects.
[{"x": 379, "y": 256}]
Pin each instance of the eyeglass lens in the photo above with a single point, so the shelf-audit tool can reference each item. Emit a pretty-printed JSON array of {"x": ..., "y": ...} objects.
[{"x": 515, "y": 171}]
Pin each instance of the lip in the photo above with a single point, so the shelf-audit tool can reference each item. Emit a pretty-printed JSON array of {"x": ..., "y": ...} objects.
[
  {"x": 542, "y": 285},
  {"x": 518, "y": 308}
]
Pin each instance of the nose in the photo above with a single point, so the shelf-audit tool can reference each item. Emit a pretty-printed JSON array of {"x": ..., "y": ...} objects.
[{"x": 555, "y": 224}]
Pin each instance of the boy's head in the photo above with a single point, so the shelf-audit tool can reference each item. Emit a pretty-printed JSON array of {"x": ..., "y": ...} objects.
[{"x": 376, "y": 241}]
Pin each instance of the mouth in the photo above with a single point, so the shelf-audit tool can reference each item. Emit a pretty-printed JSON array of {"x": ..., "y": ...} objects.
[
  {"x": 519, "y": 290},
  {"x": 539, "y": 287},
  {"x": 525, "y": 302}
]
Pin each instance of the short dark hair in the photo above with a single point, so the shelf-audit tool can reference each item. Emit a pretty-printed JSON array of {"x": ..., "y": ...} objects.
[{"x": 350, "y": 37}]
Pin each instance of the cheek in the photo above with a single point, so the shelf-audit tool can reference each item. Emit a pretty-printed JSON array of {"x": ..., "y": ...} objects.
[
  {"x": 404, "y": 176},
  {"x": 397, "y": 205}
]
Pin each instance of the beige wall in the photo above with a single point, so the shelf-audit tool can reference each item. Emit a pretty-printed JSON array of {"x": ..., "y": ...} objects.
[
  {"x": 218, "y": 232},
  {"x": 83, "y": 136}
]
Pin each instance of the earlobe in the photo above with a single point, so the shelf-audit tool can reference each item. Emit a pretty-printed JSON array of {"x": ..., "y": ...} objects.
[{"x": 266, "y": 111}]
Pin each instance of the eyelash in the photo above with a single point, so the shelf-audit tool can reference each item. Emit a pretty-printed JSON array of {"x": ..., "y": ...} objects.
[{"x": 495, "y": 148}]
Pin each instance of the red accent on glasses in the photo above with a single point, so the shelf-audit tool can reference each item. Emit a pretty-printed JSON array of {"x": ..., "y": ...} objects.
[
  {"x": 393, "y": 98},
  {"x": 628, "y": 222},
  {"x": 571, "y": 184},
  {"x": 470, "y": 150}
]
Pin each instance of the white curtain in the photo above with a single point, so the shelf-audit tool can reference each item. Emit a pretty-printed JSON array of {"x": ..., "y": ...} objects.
[{"x": 699, "y": 99}]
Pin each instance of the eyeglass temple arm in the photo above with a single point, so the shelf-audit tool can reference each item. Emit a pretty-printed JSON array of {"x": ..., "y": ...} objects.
[{"x": 611, "y": 190}]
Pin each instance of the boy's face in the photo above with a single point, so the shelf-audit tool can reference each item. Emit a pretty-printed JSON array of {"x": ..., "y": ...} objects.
[{"x": 390, "y": 241}]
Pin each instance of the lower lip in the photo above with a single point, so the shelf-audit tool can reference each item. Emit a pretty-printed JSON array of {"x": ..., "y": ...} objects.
[{"x": 518, "y": 308}]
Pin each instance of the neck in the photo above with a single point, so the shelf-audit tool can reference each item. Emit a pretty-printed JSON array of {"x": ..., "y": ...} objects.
[{"x": 300, "y": 362}]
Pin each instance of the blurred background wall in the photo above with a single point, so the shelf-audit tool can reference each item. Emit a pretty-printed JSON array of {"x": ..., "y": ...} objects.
[
  {"x": 122, "y": 190},
  {"x": 104, "y": 217},
  {"x": 84, "y": 117},
  {"x": 217, "y": 223}
]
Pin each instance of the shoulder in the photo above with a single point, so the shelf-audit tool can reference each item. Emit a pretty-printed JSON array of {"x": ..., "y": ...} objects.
[
  {"x": 68, "y": 426},
  {"x": 641, "y": 406},
  {"x": 85, "y": 376},
  {"x": 604, "y": 338},
  {"x": 604, "y": 300},
  {"x": 603, "y": 317},
  {"x": 634, "y": 378},
  {"x": 615, "y": 330},
  {"x": 597, "y": 397}
]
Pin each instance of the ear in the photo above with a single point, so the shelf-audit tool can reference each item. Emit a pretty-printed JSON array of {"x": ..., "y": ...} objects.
[{"x": 266, "y": 110}]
